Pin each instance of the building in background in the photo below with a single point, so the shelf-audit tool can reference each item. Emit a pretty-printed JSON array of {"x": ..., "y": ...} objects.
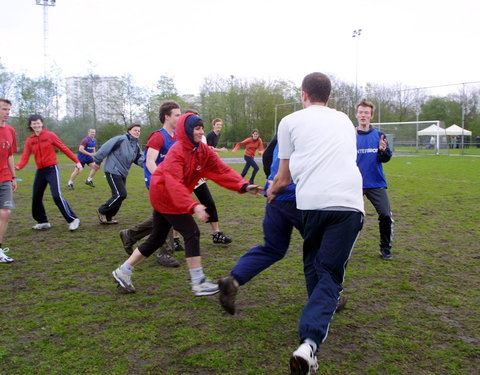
[{"x": 94, "y": 97}]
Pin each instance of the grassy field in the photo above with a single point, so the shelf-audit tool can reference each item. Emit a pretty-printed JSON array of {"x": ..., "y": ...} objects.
[{"x": 60, "y": 312}]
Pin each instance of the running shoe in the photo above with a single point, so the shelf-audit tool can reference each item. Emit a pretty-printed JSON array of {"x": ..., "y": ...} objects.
[
  {"x": 41, "y": 226},
  {"x": 74, "y": 224},
  {"x": 219, "y": 237},
  {"x": 123, "y": 280},
  {"x": 228, "y": 290},
  {"x": 3, "y": 257},
  {"x": 205, "y": 288},
  {"x": 303, "y": 361}
]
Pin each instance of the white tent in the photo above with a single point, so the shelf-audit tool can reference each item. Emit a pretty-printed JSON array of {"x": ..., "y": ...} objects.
[
  {"x": 432, "y": 130},
  {"x": 457, "y": 130}
]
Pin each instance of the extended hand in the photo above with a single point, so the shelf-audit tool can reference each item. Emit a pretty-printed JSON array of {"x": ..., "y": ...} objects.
[
  {"x": 254, "y": 189},
  {"x": 200, "y": 211}
]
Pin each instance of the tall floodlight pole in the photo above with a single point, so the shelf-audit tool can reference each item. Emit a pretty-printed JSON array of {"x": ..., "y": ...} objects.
[
  {"x": 356, "y": 34},
  {"x": 45, "y": 4}
]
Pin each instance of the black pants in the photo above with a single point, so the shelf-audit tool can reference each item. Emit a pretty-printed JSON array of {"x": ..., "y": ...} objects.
[
  {"x": 43, "y": 177},
  {"x": 183, "y": 223},
  {"x": 379, "y": 199},
  {"x": 119, "y": 193},
  {"x": 250, "y": 162},
  {"x": 205, "y": 197}
]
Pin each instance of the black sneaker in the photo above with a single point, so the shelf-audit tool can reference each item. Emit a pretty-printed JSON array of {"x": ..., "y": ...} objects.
[
  {"x": 228, "y": 290},
  {"x": 167, "y": 260},
  {"x": 385, "y": 254},
  {"x": 70, "y": 186},
  {"x": 177, "y": 245},
  {"x": 89, "y": 183},
  {"x": 219, "y": 237},
  {"x": 126, "y": 241}
]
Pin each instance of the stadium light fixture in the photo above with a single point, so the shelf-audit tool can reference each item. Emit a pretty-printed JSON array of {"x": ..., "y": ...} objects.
[
  {"x": 45, "y": 4},
  {"x": 356, "y": 34}
]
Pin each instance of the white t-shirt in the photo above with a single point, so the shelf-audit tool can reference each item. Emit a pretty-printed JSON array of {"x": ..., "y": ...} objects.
[{"x": 320, "y": 143}]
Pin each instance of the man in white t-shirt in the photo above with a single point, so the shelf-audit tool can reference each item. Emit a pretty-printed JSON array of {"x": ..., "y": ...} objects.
[{"x": 317, "y": 148}]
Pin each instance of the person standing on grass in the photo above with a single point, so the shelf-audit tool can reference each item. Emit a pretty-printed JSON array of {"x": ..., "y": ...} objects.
[
  {"x": 214, "y": 136},
  {"x": 171, "y": 189},
  {"x": 158, "y": 144},
  {"x": 372, "y": 152},
  {"x": 317, "y": 149},
  {"x": 8, "y": 182},
  {"x": 42, "y": 144},
  {"x": 86, "y": 152},
  {"x": 251, "y": 144},
  {"x": 121, "y": 152}
]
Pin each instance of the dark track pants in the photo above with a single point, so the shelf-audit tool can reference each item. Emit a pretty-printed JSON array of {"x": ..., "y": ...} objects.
[
  {"x": 43, "y": 177},
  {"x": 379, "y": 199},
  {"x": 119, "y": 193},
  {"x": 329, "y": 237},
  {"x": 280, "y": 219},
  {"x": 250, "y": 162},
  {"x": 183, "y": 223}
]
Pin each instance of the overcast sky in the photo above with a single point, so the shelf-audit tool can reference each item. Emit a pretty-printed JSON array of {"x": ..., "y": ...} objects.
[{"x": 414, "y": 42}]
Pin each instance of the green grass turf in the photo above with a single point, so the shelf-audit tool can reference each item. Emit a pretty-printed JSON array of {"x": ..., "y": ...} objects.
[{"x": 60, "y": 312}]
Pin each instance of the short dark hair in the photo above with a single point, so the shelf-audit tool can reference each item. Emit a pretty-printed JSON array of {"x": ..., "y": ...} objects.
[
  {"x": 32, "y": 118},
  {"x": 365, "y": 103},
  {"x": 5, "y": 101},
  {"x": 133, "y": 126},
  {"x": 317, "y": 86},
  {"x": 194, "y": 111},
  {"x": 166, "y": 109}
]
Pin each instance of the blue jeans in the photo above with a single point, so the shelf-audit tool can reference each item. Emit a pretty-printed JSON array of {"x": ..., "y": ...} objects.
[
  {"x": 250, "y": 162},
  {"x": 329, "y": 237},
  {"x": 280, "y": 219}
]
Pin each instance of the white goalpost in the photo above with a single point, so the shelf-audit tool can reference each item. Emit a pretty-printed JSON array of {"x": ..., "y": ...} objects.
[{"x": 415, "y": 136}]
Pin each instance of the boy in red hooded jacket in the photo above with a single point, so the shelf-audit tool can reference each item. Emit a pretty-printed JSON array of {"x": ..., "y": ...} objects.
[{"x": 171, "y": 189}]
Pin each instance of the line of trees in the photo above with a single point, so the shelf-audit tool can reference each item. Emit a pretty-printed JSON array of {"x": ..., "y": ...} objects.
[{"x": 242, "y": 104}]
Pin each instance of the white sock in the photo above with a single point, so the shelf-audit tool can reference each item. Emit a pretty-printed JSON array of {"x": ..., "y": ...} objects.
[
  {"x": 126, "y": 268},
  {"x": 197, "y": 275},
  {"x": 89, "y": 179},
  {"x": 70, "y": 182}
]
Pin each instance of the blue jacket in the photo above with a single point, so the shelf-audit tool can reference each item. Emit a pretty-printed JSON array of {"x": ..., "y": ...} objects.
[{"x": 370, "y": 158}]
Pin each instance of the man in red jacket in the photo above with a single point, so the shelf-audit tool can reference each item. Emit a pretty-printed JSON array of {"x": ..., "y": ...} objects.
[
  {"x": 42, "y": 144},
  {"x": 171, "y": 189},
  {"x": 8, "y": 183}
]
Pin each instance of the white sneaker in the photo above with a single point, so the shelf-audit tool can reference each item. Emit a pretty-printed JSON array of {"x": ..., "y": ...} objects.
[
  {"x": 303, "y": 361},
  {"x": 124, "y": 281},
  {"x": 74, "y": 224},
  {"x": 41, "y": 226},
  {"x": 4, "y": 258},
  {"x": 205, "y": 288}
]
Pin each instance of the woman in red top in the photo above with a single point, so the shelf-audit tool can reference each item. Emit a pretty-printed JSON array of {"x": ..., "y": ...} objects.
[
  {"x": 171, "y": 189},
  {"x": 251, "y": 144},
  {"x": 42, "y": 144}
]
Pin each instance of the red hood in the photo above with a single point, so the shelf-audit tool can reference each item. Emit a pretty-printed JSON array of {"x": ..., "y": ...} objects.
[{"x": 180, "y": 132}]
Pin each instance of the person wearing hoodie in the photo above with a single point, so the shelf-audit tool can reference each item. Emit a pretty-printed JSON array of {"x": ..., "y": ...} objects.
[
  {"x": 121, "y": 152},
  {"x": 171, "y": 187},
  {"x": 42, "y": 144}
]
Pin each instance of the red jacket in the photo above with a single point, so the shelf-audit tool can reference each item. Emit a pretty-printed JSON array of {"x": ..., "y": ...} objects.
[
  {"x": 43, "y": 148},
  {"x": 175, "y": 178},
  {"x": 251, "y": 146}
]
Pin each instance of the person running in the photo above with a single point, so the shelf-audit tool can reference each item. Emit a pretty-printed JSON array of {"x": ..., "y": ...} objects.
[
  {"x": 42, "y": 144},
  {"x": 317, "y": 148},
  {"x": 158, "y": 144},
  {"x": 8, "y": 182},
  {"x": 171, "y": 189},
  {"x": 372, "y": 152},
  {"x": 86, "y": 152},
  {"x": 251, "y": 144},
  {"x": 121, "y": 152}
]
